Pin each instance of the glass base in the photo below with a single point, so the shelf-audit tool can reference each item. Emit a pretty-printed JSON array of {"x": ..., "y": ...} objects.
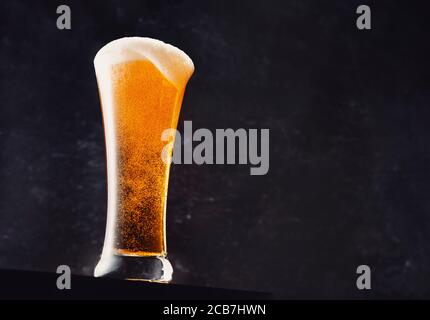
[{"x": 157, "y": 269}]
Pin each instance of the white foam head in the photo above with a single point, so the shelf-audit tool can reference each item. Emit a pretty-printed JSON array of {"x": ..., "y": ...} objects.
[{"x": 172, "y": 62}]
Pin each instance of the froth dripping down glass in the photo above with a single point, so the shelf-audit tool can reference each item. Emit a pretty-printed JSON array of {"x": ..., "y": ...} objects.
[{"x": 141, "y": 84}]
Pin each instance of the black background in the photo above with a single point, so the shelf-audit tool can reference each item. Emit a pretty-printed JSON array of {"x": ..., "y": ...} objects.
[{"x": 349, "y": 152}]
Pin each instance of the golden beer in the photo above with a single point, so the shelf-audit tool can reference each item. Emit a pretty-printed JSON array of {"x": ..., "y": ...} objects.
[{"x": 141, "y": 85}]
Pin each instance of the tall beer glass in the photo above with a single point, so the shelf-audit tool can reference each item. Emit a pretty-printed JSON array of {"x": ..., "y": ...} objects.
[{"x": 141, "y": 85}]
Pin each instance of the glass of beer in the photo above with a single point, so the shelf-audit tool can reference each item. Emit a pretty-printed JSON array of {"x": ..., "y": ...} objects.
[{"x": 141, "y": 84}]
